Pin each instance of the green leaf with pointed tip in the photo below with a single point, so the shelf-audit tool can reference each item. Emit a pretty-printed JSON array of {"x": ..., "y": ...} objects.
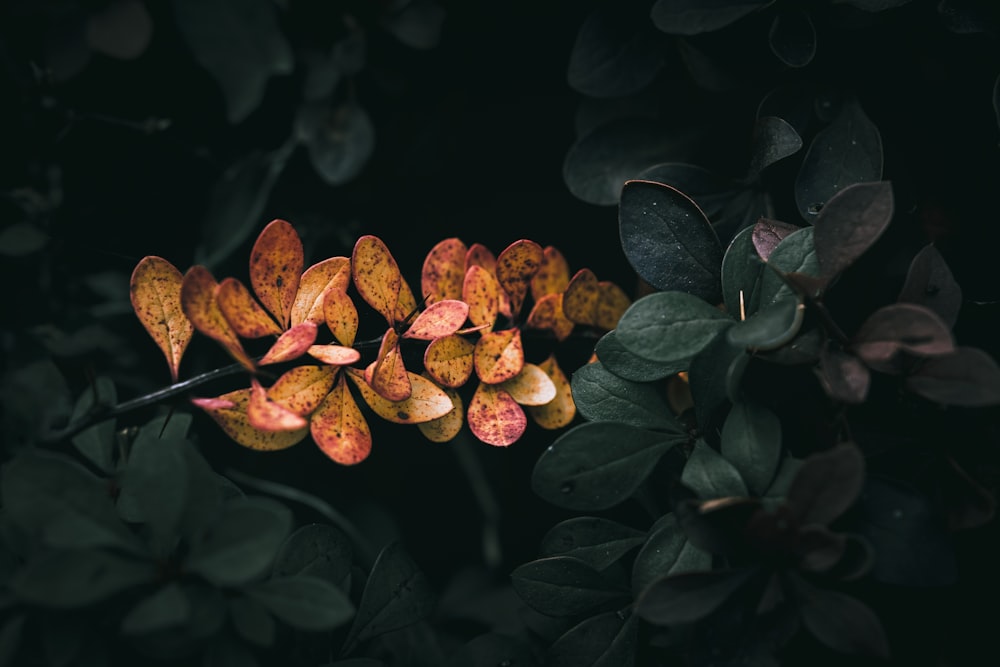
[
  {"x": 710, "y": 475},
  {"x": 667, "y": 551},
  {"x": 670, "y": 326},
  {"x": 97, "y": 443},
  {"x": 603, "y": 396},
  {"x": 564, "y": 586},
  {"x": 751, "y": 441},
  {"x": 596, "y": 541},
  {"x": 742, "y": 271},
  {"x": 668, "y": 240},
  {"x": 318, "y": 550},
  {"x": 770, "y": 327},
  {"x": 627, "y": 365},
  {"x": 774, "y": 140},
  {"x": 597, "y": 465},
  {"x": 604, "y": 640},
  {"x": 795, "y": 254},
  {"x": 303, "y": 602}
]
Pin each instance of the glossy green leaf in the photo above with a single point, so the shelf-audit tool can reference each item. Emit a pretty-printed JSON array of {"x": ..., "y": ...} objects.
[
  {"x": 683, "y": 598},
  {"x": 71, "y": 579},
  {"x": 850, "y": 223},
  {"x": 596, "y": 541},
  {"x": 668, "y": 240},
  {"x": 615, "y": 53},
  {"x": 564, "y": 586},
  {"x": 603, "y": 396},
  {"x": 795, "y": 254},
  {"x": 97, "y": 443},
  {"x": 751, "y": 441},
  {"x": 792, "y": 37},
  {"x": 627, "y": 365},
  {"x": 774, "y": 140},
  {"x": 597, "y": 465},
  {"x": 670, "y": 326},
  {"x": 667, "y": 551},
  {"x": 304, "y": 602},
  {"x": 606, "y": 640},
  {"x": 742, "y": 270},
  {"x": 165, "y": 608},
  {"x": 771, "y": 327},
  {"x": 710, "y": 475},
  {"x": 691, "y": 17},
  {"x": 317, "y": 550}
]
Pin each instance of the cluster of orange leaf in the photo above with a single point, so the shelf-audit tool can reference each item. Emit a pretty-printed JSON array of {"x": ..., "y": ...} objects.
[{"x": 465, "y": 291}]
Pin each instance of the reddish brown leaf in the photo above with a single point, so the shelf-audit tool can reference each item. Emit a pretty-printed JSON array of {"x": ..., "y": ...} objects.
[
  {"x": 561, "y": 410},
  {"x": 444, "y": 429},
  {"x": 388, "y": 376},
  {"x": 318, "y": 279},
  {"x": 444, "y": 271},
  {"x": 532, "y": 386},
  {"x": 302, "y": 388},
  {"x": 969, "y": 376},
  {"x": 499, "y": 356},
  {"x": 902, "y": 326},
  {"x": 516, "y": 266},
  {"x": 581, "y": 298},
  {"x": 494, "y": 417},
  {"x": 155, "y": 291},
  {"x": 442, "y": 318},
  {"x": 276, "y": 263},
  {"x": 827, "y": 484},
  {"x": 552, "y": 276},
  {"x": 233, "y": 421},
  {"x": 844, "y": 377},
  {"x": 929, "y": 282},
  {"x": 547, "y": 313},
  {"x": 291, "y": 344},
  {"x": 247, "y": 317},
  {"x": 612, "y": 302},
  {"x": 335, "y": 355},
  {"x": 427, "y": 401},
  {"x": 448, "y": 360},
  {"x": 266, "y": 415},
  {"x": 339, "y": 428},
  {"x": 767, "y": 234},
  {"x": 850, "y": 223},
  {"x": 481, "y": 291},
  {"x": 376, "y": 276},
  {"x": 198, "y": 300},
  {"x": 341, "y": 316}
]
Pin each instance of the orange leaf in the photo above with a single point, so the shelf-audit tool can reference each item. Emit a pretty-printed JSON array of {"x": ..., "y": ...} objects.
[
  {"x": 233, "y": 421},
  {"x": 494, "y": 417},
  {"x": 516, "y": 266},
  {"x": 198, "y": 299},
  {"x": 388, "y": 376},
  {"x": 581, "y": 297},
  {"x": 335, "y": 355},
  {"x": 341, "y": 316},
  {"x": 444, "y": 271},
  {"x": 532, "y": 386},
  {"x": 480, "y": 255},
  {"x": 155, "y": 291},
  {"x": 339, "y": 428},
  {"x": 243, "y": 312},
  {"x": 547, "y": 313},
  {"x": 481, "y": 291},
  {"x": 276, "y": 262},
  {"x": 427, "y": 401},
  {"x": 552, "y": 276},
  {"x": 440, "y": 319},
  {"x": 499, "y": 356},
  {"x": 302, "y": 388},
  {"x": 448, "y": 360},
  {"x": 406, "y": 304},
  {"x": 611, "y": 305},
  {"x": 376, "y": 275},
  {"x": 291, "y": 344},
  {"x": 561, "y": 410},
  {"x": 266, "y": 415},
  {"x": 444, "y": 429},
  {"x": 318, "y": 279}
]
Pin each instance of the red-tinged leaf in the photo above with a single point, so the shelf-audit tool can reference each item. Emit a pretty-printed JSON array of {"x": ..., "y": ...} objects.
[
  {"x": 198, "y": 299},
  {"x": 827, "y": 484},
  {"x": 552, "y": 276},
  {"x": 581, "y": 298},
  {"x": 480, "y": 255},
  {"x": 495, "y": 417},
  {"x": 547, "y": 313},
  {"x": 266, "y": 415},
  {"x": 276, "y": 263},
  {"x": 612, "y": 302},
  {"x": 902, "y": 327},
  {"x": 427, "y": 401},
  {"x": 241, "y": 310},
  {"x": 482, "y": 292},
  {"x": 448, "y": 360},
  {"x": 301, "y": 389},
  {"x": 561, "y": 410},
  {"x": 376, "y": 275},
  {"x": 850, "y": 223},
  {"x": 341, "y": 316},
  {"x": 532, "y": 386},
  {"x": 929, "y": 282},
  {"x": 318, "y": 279},
  {"x": 339, "y": 428},
  {"x": 516, "y": 266},
  {"x": 499, "y": 356},
  {"x": 442, "y": 318},
  {"x": 969, "y": 377},
  {"x": 292, "y": 344},
  {"x": 388, "y": 375},
  {"x": 229, "y": 411},
  {"x": 444, "y": 429},
  {"x": 767, "y": 234},
  {"x": 155, "y": 291},
  {"x": 443, "y": 272},
  {"x": 844, "y": 377},
  {"x": 335, "y": 355}
]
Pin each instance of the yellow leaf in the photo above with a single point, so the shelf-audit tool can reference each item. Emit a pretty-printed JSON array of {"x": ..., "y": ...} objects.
[
  {"x": 448, "y": 360},
  {"x": 494, "y": 417},
  {"x": 302, "y": 388},
  {"x": 276, "y": 262},
  {"x": 516, "y": 265},
  {"x": 532, "y": 386},
  {"x": 552, "y": 276},
  {"x": 292, "y": 344},
  {"x": 376, "y": 276},
  {"x": 341, "y": 316},
  {"x": 547, "y": 313},
  {"x": 246, "y": 316},
  {"x": 499, "y": 356},
  {"x": 581, "y": 297},
  {"x": 266, "y": 415},
  {"x": 561, "y": 410},
  {"x": 339, "y": 429},
  {"x": 155, "y": 291},
  {"x": 318, "y": 279},
  {"x": 444, "y": 271},
  {"x": 611, "y": 305},
  {"x": 480, "y": 255},
  {"x": 481, "y": 291},
  {"x": 406, "y": 304},
  {"x": 233, "y": 421},
  {"x": 335, "y": 355},
  {"x": 198, "y": 300},
  {"x": 444, "y": 429},
  {"x": 427, "y": 401},
  {"x": 440, "y": 319},
  {"x": 388, "y": 376}
]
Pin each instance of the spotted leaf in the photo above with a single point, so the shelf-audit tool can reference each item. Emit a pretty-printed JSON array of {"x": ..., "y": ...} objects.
[
  {"x": 334, "y": 355},
  {"x": 339, "y": 428},
  {"x": 499, "y": 356},
  {"x": 301, "y": 389},
  {"x": 376, "y": 275},
  {"x": 442, "y": 318},
  {"x": 341, "y": 316},
  {"x": 427, "y": 401},
  {"x": 547, "y": 313},
  {"x": 552, "y": 276},
  {"x": 448, "y": 360},
  {"x": 516, "y": 266},
  {"x": 276, "y": 263},
  {"x": 388, "y": 376},
  {"x": 532, "y": 386},
  {"x": 267, "y": 415},
  {"x": 444, "y": 271},
  {"x": 198, "y": 300},
  {"x": 495, "y": 417},
  {"x": 229, "y": 411},
  {"x": 481, "y": 291},
  {"x": 319, "y": 279},
  {"x": 291, "y": 344},
  {"x": 444, "y": 429},
  {"x": 561, "y": 410},
  {"x": 155, "y": 291},
  {"x": 241, "y": 310}
]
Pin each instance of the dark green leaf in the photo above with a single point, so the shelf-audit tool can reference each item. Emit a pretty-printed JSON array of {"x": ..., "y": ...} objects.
[
  {"x": 767, "y": 234},
  {"x": 751, "y": 441},
  {"x": 670, "y": 326},
  {"x": 843, "y": 376},
  {"x": 668, "y": 240},
  {"x": 36, "y": 400},
  {"x": 252, "y": 621},
  {"x": 304, "y": 602},
  {"x": 316, "y": 549},
  {"x": 795, "y": 254},
  {"x": 930, "y": 283},
  {"x": 564, "y": 586},
  {"x": 850, "y": 223},
  {"x": 596, "y": 541},
  {"x": 740, "y": 211},
  {"x": 340, "y": 140},
  {"x": 667, "y": 551},
  {"x": 709, "y": 191},
  {"x": 71, "y": 579},
  {"x": 842, "y": 622},
  {"x": 396, "y": 595},
  {"x": 774, "y": 140},
  {"x": 603, "y": 396},
  {"x": 791, "y": 100},
  {"x": 615, "y": 53},
  {"x": 205, "y": 494},
  {"x": 167, "y": 607},
  {"x": 605, "y": 640},
  {"x": 242, "y": 543},
  {"x": 97, "y": 443},
  {"x": 720, "y": 525},
  {"x": 597, "y": 465},
  {"x": 742, "y": 271},
  {"x": 969, "y": 377},
  {"x": 10, "y": 639},
  {"x": 627, "y": 365},
  {"x": 847, "y": 151},
  {"x": 771, "y": 327},
  {"x": 782, "y": 481},
  {"x": 691, "y": 17},
  {"x": 827, "y": 484},
  {"x": 715, "y": 377},
  {"x": 683, "y": 598},
  {"x": 902, "y": 327},
  {"x": 710, "y": 476},
  {"x": 792, "y": 37}
]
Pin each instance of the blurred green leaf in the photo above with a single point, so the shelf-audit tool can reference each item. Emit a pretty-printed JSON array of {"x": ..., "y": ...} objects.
[
  {"x": 318, "y": 550},
  {"x": 165, "y": 608},
  {"x": 97, "y": 443},
  {"x": 65, "y": 579},
  {"x": 252, "y": 621},
  {"x": 605, "y": 640},
  {"x": 615, "y": 53},
  {"x": 304, "y": 602}
]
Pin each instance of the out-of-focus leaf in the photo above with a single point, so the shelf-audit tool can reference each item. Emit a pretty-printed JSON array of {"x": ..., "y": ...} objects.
[
  {"x": 901, "y": 327},
  {"x": 317, "y": 550},
  {"x": 122, "y": 29},
  {"x": 604, "y": 640},
  {"x": 242, "y": 311},
  {"x": 767, "y": 234},
  {"x": 303, "y": 601},
  {"x": 842, "y": 622},
  {"x": 548, "y": 313},
  {"x": 495, "y": 417},
  {"x": 334, "y": 355},
  {"x": 683, "y": 598},
  {"x": 10, "y": 638},
  {"x": 561, "y": 410},
  {"x": 873, "y": 5},
  {"x": 340, "y": 140},
  {"x": 843, "y": 376},
  {"x": 751, "y": 441},
  {"x": 71, "y": 579},
  {"x": 230, "y": 412},
  {"x": 198, "y": 299},
  {"x": 670, "y": 326},
  {"x": 850, "y": 223},
  {"x": 564, "y": 586},
  {"x": 929, "y": 282},
  {"x": 827, "y": 484},
  {"x": 339, "y": 428},
  {"x": 376, "y": 275},
  {"x": 427, "y": 401},
  {"x": 532, "y": 386},
  {"x": 416, "y": 23},
  {"x": 443, "y": 271},
  {"x": 167, "y": 607},
  {"x": 22, "y": 238},
  {"x": 596, "y": 541},
  {"x": 666, "y": 551},
  {"x": 792, "y": 37},
  {"x": 97, "y": 443},
  {"x": 252, "y": 621},
  {"x": 552, "y": 276},
  {"x": 603, "y": 396},
  {"x": 774, "y": 140},
  {"x": 590, "y": 302},
  {"x": 691, "y": 17},
  {"x": 710, "y": 475},
  {"x": 155, "y": 291},
  {"x": 969, "y": 376},
  {"x": 714, "y": 378},
  {"x": 498, "y": 356}
]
